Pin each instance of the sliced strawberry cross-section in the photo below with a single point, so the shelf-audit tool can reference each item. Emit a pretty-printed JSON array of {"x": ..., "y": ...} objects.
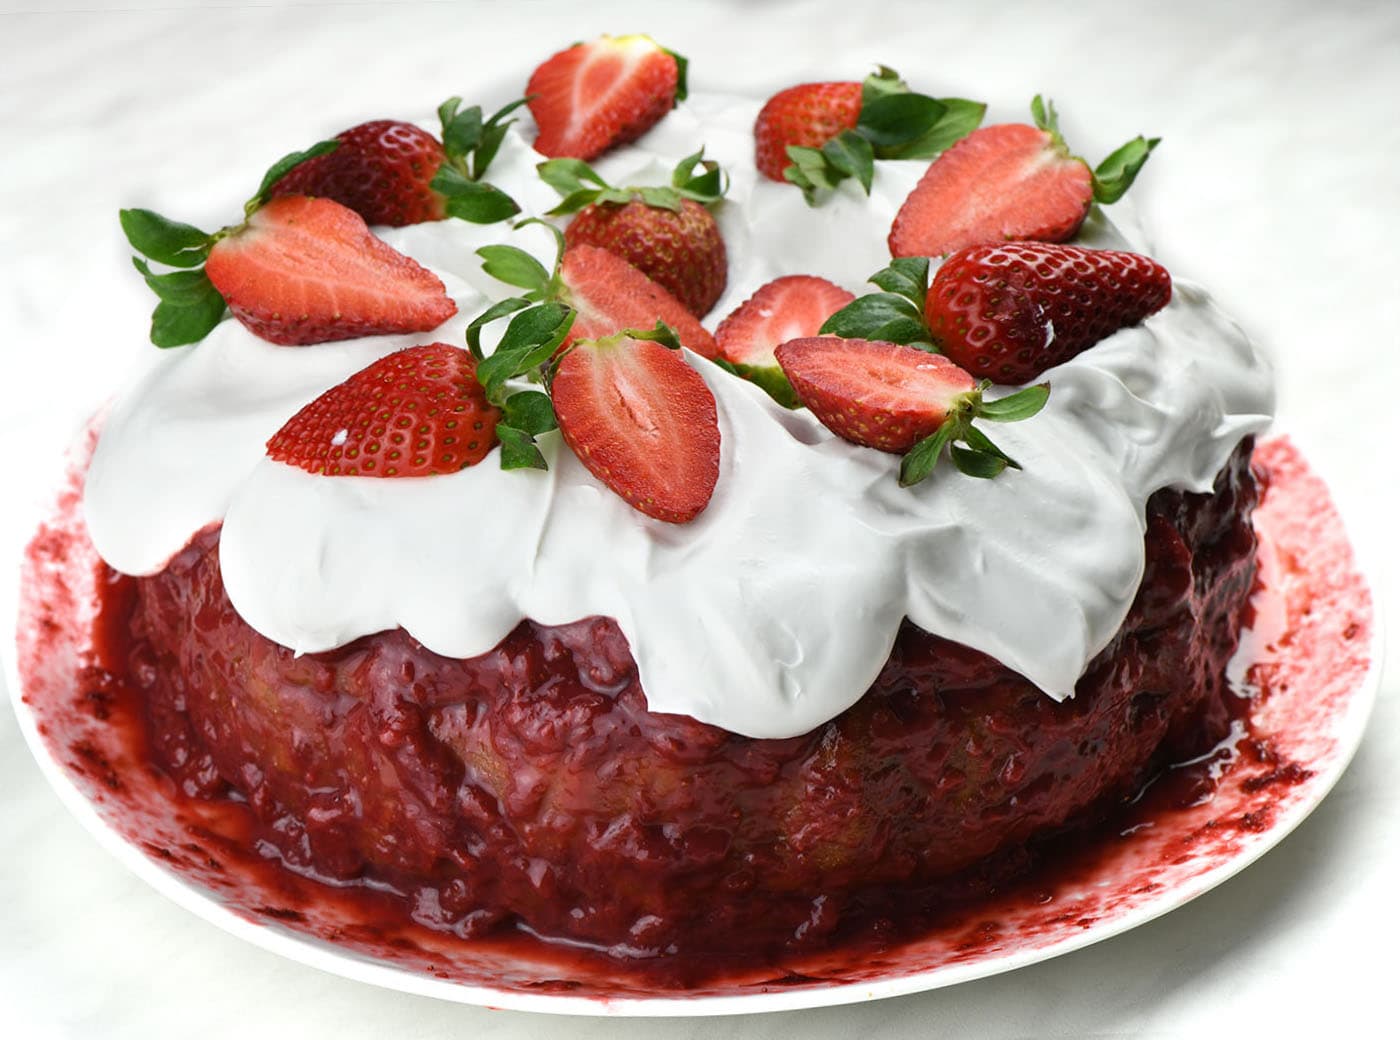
[
  {"x": 1010, "y": 182},
  {"x": 611, "y": 295},
  {"x": 791, "y": 307},
  {"x": 903, "y": 400},
  {"x": 642, "y": 421},
  {"x": 601, "y": 93},
  {"x": 413, "y": 413},
  {"x": 308, "y": 270}
]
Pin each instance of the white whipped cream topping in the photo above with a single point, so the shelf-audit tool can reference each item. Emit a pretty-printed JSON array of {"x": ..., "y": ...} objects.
[{"x": 776, "y": 608}]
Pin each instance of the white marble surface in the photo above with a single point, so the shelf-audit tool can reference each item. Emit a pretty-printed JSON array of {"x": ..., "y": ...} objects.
[{"x": 1275, "y": 186}]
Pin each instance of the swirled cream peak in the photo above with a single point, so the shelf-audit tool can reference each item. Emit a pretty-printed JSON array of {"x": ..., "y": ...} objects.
[{"x": 776, "y": 608}]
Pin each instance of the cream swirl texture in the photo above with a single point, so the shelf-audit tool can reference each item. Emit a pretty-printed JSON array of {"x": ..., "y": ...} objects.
[{"x": 776, "y": 608}]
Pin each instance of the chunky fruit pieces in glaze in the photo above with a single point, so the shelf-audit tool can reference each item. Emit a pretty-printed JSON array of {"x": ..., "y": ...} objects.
[{"x": 531, "y": 783}]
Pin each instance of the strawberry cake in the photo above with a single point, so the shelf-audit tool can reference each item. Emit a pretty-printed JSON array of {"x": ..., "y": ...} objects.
[{"x": 678, "y": 525}]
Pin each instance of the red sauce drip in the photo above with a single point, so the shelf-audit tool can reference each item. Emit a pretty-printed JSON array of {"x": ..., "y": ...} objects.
[{"x": 1309, "y": 651}]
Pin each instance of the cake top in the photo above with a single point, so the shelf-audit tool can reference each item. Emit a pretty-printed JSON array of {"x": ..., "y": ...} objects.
[{"x": 774, "y": 605}]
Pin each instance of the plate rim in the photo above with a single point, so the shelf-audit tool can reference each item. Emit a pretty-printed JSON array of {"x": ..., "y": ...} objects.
[{"x": 312, "y": 952}]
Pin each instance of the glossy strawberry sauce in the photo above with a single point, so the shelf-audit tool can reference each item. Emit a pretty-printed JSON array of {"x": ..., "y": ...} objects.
[{"x": 946, "y": 819}]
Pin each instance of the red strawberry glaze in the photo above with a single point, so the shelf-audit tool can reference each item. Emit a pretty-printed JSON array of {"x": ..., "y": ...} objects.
[{"x": 1311, "y": 653}]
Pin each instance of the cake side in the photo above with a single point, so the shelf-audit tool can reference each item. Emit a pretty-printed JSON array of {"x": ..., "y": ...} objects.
[{"x": 531, "y": 787}]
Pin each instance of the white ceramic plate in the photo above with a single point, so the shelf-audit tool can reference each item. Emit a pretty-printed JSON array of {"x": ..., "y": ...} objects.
[{"x": 1324, "y": 663}]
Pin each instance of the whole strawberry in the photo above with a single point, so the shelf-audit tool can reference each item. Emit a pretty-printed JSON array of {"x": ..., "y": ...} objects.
[
  {"x": 667, "y": 233},
  {"x": 818, "y": 134},
  {"x": 395, "y": 173},
  {"x": 805, "y": 116},
  {"x": 1010, "y": 182},
  {"x": 414, "y": 413},
  {"x": 383, "y": 170},
  {"x": 1009, "y": 312},
  {"x": 601, "y": 93}
]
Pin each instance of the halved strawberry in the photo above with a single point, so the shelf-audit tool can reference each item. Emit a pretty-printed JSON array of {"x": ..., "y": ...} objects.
[
  {"x": 786, "y": 308},
  {"x": 605, "y": 92},
  {"x": 643, "y": 422},
  {"x": 414, "y": 413},
  {"x": 305, "y": 270},
  {"x": 296, "y": 270},
  {"x": 1009, "y": 312},
  {"x": 383, "y": 170},
  {"x": 900, "y": 399},
  {"x": 1006, "y": 182},
  {"x": 611, "y": 295}
]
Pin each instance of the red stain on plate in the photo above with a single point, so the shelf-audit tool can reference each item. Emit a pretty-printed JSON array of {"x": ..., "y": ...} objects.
[{"x": 1301, "y": 675}]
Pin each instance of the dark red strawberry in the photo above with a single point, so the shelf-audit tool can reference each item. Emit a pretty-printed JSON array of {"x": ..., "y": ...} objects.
[
  {"x": 643, "y": 422},
  {"x": 1009, "y": 312},
  {"x": 901, "y": 399},
  {"x": 383, "y": 170},
  {"x": 806, "y": 116},
  {"x": 605, "y": 92},
  {"x": 1009, "y": 182},
  {"x": 414, "y": 413},
  {"x": 305, "y": 270},
  {"x": 611, "y": 295},
  {"x": 787, "y": 308}
]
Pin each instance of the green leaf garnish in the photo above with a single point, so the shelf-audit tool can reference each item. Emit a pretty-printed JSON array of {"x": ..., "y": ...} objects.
[
  {"x": 579, "y": 185},
  {"x": 518, "y": 448},
  {"x": 486, "y": 317},
  {"x": 531, "y": 339},
  {"x": 884, "y": 317},
  {"x": 906, "y": 276},
  {"x": 1015, "y": 407},
  {"x": 514, "y": 267},
  {"x": 768, "y": 378},
  {"x": 849, "y": 154},
  {"x": 682, "y": 73},
  {"x": 960, "y": 117},
  {"x": 165, "y": 241},
  {"x": 893, "y": 316},
  {"x": 469, "y": 143},
  {"x": 893, "y": 120},
  {"x": 189, "y": 305},
  {"x": 971, "y": 450},
  {"x": 530, "y": 411},
  {"x": 474, "y": 201},
  {"x": 1115, "y": 175}
]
